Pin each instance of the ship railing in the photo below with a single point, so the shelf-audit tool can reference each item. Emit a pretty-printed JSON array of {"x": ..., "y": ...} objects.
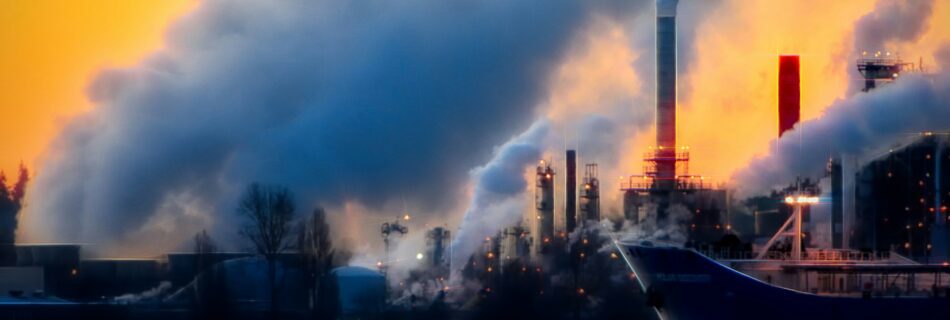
[
  {"x": 811, "y": 255},
  {"x": 878, "y": 285}
]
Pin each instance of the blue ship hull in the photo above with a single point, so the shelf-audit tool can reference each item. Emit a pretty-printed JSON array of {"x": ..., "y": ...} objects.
[{"x": 684, "y": 284}]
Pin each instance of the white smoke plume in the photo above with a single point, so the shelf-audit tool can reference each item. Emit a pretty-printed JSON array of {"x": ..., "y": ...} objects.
[
  {"x": 150, "y": 295},
  {"x": 497, "y": 200},
  {"x": 669, "y": 230},
  {"x": 862, "y": 125},
  {"x": 370, "y": 103}
]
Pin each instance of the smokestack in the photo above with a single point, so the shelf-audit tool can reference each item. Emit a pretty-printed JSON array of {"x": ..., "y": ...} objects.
[
  {"x": 789, "y": 93},
  {"x": 666, "y": 92},
  {"x": 570, "y": 214}
]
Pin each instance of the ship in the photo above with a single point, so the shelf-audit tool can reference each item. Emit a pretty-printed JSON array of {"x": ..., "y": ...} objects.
[
  {"x": 801, "y": 283},
  {"x": 682, "y": 283}
]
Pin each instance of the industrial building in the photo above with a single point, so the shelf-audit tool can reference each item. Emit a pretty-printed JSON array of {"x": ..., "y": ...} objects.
[
  {"x": 590, "y": 195},
  {"x": 579, "y": 208},
  {"x": 113, "y": 277},
  {"x": 59, "y": 262},
  {"x": 901, "y": 201},
  {"x": 879, "y": 68},
  {"x": 835, "y": 172},
  {"x": 515, "y": 243},
  {"x": 666, "y": 182},
  {"x": 544, "y": 205},
  {"x": 437, "y": 240}
]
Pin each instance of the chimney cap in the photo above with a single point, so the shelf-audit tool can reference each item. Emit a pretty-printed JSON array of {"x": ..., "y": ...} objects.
[{"x": 666, "y": 8}]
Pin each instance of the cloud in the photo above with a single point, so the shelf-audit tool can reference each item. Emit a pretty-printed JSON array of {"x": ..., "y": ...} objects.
[{"x": 340, "y": 101}]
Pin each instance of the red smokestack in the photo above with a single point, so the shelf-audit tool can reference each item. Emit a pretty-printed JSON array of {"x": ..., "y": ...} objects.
[{"x": 789, "y": 93}]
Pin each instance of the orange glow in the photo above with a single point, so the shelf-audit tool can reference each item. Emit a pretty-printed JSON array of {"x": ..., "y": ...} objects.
[
  {"x": 734, "y": 82},
  {"x": 50, "y": 51},
  {"x": 731, "y": 114}
]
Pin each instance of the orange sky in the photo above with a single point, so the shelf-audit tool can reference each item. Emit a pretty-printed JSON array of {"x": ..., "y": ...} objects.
[
  {"x": 727, "y": 107},
  {"x": 731, "y": 115},
  {"x": 51, "y": 48}
]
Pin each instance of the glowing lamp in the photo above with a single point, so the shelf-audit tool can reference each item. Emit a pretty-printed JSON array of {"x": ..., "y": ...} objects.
[{"x": 801, "y": 200}]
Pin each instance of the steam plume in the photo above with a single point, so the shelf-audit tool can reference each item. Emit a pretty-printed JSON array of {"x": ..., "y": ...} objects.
[
  {"x": 862, "y": 125},
  {"x": 339, "y": 101}
]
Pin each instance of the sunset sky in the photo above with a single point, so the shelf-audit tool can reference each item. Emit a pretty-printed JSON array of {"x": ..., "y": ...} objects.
[
  {"x": 345, "y": 102},
  {"x": 51, "y": 49}
]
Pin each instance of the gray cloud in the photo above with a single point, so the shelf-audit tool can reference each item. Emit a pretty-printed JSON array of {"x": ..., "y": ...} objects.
[{"x": 366, "y": 101}]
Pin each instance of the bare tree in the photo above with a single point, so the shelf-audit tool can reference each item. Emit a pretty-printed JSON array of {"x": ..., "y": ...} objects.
[
  {"x": 269, "y": 211},
  {"x": 11, "y": 201},
  {"x": 316, "y": 255},
  {"x": 204, "y": 249}
]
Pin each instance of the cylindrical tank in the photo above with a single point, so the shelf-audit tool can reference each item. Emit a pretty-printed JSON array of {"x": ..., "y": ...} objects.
[{"x": 544, "y": 203}]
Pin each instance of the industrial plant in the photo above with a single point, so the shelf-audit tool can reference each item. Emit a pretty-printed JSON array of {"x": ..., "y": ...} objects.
[{"x": 866, "y": 237}]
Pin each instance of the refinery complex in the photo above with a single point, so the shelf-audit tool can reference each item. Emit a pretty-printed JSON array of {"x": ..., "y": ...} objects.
[{"x": 867, "y": 237}]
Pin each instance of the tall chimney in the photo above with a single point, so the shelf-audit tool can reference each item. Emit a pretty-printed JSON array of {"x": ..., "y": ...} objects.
[
  {"x": 570, "y": 214},
  {"x": 666, "y": 93},
  {"x": 789, "y": 93}
]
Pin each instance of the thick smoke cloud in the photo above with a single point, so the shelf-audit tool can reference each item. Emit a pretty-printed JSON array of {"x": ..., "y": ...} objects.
[
  {"x": 863, "y": 125},
  {"x": 891, "y": 22},
  {"x": 366, "y": 101},
  {"x": 496, "y": 201}
]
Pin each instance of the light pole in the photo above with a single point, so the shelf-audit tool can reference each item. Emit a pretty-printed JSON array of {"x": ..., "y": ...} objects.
[{"x": 798, "y": 202}]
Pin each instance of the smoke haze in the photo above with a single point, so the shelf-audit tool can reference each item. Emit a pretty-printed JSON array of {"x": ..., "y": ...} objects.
[
  {"x": 341, "y": 102},
  {"x": 362, "y": 106}
]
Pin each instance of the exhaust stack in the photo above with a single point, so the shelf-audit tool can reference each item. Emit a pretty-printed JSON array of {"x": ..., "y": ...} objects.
[
  {"x": 666, "y": 93},
  {"x": 789, "y": 93}
]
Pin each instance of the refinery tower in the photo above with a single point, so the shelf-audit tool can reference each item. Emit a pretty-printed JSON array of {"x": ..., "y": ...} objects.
[{"x": 665, "y": 185}]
